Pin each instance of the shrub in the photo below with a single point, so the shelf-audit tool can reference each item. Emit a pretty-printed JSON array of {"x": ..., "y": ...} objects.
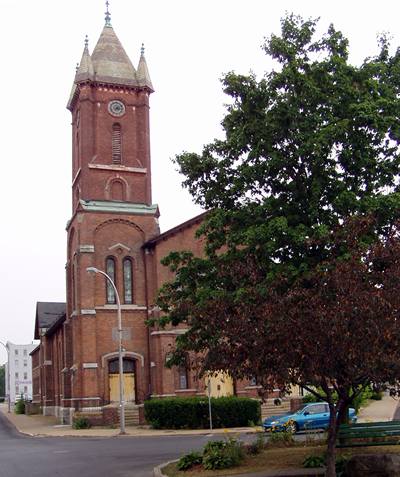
[
  {"x": 314, "y": 461},
  {"x": 282, "y": 438},
  {"x": 222, "y": 454},
  {"x": 193, "y": 413},
  {"x": 20, "y": 406},
  {"x": 189, "y": 460},
  {"x": 257, "y": 445},
  {"x": 81, "y": 423}
]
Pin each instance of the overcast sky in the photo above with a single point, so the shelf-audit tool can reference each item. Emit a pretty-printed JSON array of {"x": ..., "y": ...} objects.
[{"x": 189, "y": 45}]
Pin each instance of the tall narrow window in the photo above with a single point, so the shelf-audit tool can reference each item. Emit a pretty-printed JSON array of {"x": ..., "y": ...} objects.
[
  {"x": 128, "y": 282},
  {"x": 116, "y": 144},
  {"x": 183, "y": 377},
  {"x": 110, "y": 268}
]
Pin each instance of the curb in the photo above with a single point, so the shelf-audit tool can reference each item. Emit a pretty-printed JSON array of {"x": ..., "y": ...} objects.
[{"x": 157, "y": 472}]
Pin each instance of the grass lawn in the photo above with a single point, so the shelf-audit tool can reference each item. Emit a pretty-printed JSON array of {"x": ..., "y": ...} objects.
[{"x": 273, "y": 458}]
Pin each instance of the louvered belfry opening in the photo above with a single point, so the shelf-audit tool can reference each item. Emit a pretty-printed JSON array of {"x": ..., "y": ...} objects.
[{"x": 116, "y": 144}]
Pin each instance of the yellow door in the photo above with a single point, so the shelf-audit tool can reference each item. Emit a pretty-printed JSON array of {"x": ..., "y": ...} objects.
[
  {"x": 129, "y": 387},
  {"x": 220, "y": 385}
]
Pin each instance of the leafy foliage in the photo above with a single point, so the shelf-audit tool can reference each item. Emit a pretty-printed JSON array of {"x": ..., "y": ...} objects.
[
  {"x": 222, "y": 454},
  {"x": 366, "y": 393},
  {"x": 81, "y": 423},
  {"x": 19, "y": 407},
  {"x": 256, "y": 446},
  {"x": 189, "y": 460},
  {"x": 193, "y": 412},
  {"x": 282, "y": 438},
  {"x": 314, "y": 461},
  {"x": 299, "y": 278}
]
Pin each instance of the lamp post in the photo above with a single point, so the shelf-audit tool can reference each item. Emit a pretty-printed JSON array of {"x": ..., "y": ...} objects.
[
  {"x": 8, "y": 376},
  {"x": 121, "y": 366}
]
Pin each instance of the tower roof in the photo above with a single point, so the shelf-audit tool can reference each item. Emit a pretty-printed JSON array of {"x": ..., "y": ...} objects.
[
  {"x": 110, "y": 62},
  {"x": 143, "y": 75},
  {"x": 85, "y": 69}
]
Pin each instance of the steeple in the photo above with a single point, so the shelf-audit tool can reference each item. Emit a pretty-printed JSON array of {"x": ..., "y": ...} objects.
[
  {"x": 85, "y": 70},
  {"x": 110, "y": 64},
  {"x": 143, "y": 75}
]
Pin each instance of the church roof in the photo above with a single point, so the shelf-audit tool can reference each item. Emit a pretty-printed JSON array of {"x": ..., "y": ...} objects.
[
  {"x": 47, "y": 313},
  {"x": 177, "y": 229}
]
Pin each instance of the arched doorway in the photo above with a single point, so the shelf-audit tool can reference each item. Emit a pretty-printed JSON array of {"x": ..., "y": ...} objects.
[{"x": 129, "y": 380}]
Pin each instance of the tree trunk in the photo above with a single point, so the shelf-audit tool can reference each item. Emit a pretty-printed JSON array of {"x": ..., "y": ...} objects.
[{"x": 331, "y": 450}]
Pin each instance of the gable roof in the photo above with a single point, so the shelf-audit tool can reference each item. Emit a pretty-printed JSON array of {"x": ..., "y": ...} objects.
[
  {"x": 169, "y": 233},
  {"x": 47, "y": 314}
]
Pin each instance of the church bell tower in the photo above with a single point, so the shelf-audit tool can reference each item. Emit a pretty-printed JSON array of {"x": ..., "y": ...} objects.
[{"x": 112, "y": 217}]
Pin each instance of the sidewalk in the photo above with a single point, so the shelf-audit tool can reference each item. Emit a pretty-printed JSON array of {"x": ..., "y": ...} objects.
[
  {"x": 383, "y": 410},
  {"x": 38, "y": 425}
]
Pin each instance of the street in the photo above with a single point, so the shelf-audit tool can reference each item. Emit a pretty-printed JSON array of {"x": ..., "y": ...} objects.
[{"x": 91, "y": 457}]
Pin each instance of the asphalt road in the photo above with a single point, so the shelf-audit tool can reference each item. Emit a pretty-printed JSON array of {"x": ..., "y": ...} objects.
[{"x": 88, "y": 457}]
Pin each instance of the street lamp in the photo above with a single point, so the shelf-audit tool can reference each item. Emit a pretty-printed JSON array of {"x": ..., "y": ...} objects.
[
  {"x": 8, "y": 375},
  {"x": 121, "y": 367}
]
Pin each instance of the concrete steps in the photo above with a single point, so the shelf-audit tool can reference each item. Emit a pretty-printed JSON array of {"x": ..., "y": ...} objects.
[
  {"x": 269, "y": 408},
  {"x": 131, "y": 415}
]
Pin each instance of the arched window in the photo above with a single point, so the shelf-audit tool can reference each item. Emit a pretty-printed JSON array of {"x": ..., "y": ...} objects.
[
  {"x": 116, "y": 144},
  {"x": 110, "y": 270},
  {"x": 128, "y": 281},
  {"x": 117, "y": 190},
  {"x": 183, "y": 377}
]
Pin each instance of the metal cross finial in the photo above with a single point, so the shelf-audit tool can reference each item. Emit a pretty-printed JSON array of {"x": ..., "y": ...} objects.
[
  {"x": 86, "y": 41},
  {"x": 108, "y": 15},
  {"x": 142, "y": 50}
]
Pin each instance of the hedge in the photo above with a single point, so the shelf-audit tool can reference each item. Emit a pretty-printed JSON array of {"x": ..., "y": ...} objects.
[{"x": 192, "y": 412}]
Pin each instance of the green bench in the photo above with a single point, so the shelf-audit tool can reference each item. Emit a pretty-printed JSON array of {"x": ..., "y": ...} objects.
[{"x": 369, "y": 434}]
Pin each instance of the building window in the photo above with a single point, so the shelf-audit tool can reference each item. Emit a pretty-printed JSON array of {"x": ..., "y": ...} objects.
[
  {"x": 16, "y": 389},
  {"x": 16, "y": 375},
  {"x": 183, "y": 377},
  {"x": 128, "y": 282},
  {"x": 16, "y": 363},
  {"x": 25, "y": 376},
  {"x": 253, "y": 381},
  {"x": 25, "y": 363},
  {"x": 116, "y": 144},
  {"x": 16, "y": 352},
  {"x": 110, "y": 268},
  {"x": 25, "y": 352},
  {"x": 25, "y": 389}
]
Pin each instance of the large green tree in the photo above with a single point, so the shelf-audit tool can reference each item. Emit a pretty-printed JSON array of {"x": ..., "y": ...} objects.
[{"x": 307, "y": 148}]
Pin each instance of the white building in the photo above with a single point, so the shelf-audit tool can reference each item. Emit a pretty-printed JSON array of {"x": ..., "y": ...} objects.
[{"x": 20, "y": 363}]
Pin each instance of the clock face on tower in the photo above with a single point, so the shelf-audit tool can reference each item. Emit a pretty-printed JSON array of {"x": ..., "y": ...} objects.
[{"x": 116, "y": 108}]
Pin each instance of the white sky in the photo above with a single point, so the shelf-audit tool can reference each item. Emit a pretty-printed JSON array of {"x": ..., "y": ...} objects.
[{"x": 189, "y": 45}]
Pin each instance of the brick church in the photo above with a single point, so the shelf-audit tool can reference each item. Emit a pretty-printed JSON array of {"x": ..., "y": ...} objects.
[{"x": 113, "y": 227}]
